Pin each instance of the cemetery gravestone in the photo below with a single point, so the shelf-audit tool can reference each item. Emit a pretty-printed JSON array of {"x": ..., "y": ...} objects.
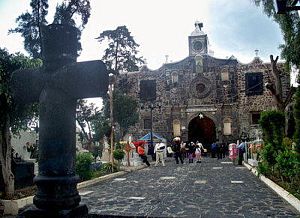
[
  {"x": 56, "y": 87},
  {"x": 22, "y": 170}
]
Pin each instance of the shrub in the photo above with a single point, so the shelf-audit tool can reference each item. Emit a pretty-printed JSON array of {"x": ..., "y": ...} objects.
[
  {"x": 263, "y": 168},
  {"x": 107, "y": 168},
  {"x": 297, "y": 120},
  {"x": 272, "y": 123},
  {"x": 83, "y": 165},
  {"x": 269, "y": 154},
  {"x": 288, "y": 165},
  {"x": 118, "y": 154},
  {"x": 287, "y": 142}
]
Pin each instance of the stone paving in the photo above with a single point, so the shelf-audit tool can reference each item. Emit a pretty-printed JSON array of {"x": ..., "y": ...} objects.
[{"x": 213, "y": 188}]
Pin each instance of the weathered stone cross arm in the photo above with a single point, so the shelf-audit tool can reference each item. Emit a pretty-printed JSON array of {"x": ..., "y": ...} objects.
[
  {"x": 82, "y": 79},
  {"x": 27, "y": 85},
  {"x": 78, "y": 80}
]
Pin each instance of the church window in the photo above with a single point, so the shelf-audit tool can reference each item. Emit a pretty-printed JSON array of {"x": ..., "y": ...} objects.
[
  {"x": 176, "y": 127},
  {"x": 224, "y": 76},
  {"x": 227, "y": 127},
  {"x": 255, "y": 116},
  {"x": 200, "y": 87},
  {"x": 147, "y": 123},
  {"x": 174, "y": 78},
  {"x": 254, "y": 83},
  {"x": 148, "y": 90}
]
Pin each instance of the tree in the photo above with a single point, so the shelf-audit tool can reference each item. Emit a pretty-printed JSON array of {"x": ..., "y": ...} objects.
[
  {"x": 289, "y": 24},
  {"x": 65, "y": 12},
  {"x": 12, "y": 117},
  {"x": 121, "y": 52},
  {"x": 30, "y": 24},
  {"x": 276, "y": 87},
  {"x": 85, "y": 114},
  {"x": 297, "y": 120},
  {"x": 101, "y": 126},
  {"x": 93, "y": 124},
  {"x": 125, "y": 110}
]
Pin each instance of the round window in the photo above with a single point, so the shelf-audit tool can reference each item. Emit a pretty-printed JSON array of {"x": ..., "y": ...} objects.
[{"x": 200, "y": 87}]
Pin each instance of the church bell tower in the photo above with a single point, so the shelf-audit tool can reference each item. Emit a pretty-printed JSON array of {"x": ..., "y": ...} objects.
[{"x": 198, "y": 41}]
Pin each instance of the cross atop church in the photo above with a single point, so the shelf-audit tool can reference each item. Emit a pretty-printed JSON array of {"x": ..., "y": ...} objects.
[{"x": 198, "y": 24}]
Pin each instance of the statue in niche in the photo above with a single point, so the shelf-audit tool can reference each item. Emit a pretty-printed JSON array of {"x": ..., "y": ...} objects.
[{"x": 199, "y": 64}]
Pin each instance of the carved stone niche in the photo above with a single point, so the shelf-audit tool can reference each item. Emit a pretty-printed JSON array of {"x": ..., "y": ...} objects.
[{"x": 200, "y": 87}]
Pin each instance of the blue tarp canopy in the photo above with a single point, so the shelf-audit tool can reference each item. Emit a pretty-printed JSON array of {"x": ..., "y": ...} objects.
[{"x": 155, "y": 137}]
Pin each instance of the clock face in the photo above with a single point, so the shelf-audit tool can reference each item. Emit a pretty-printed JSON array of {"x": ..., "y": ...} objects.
[{"x": 197, "y": 45}]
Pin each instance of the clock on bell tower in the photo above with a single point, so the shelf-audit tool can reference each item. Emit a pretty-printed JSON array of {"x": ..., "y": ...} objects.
[{"x": 197, "y": 41}]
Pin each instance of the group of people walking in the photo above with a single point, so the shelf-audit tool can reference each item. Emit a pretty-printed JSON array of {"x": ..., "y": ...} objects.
[
  {"x": 180, "y": 150},
  {"x": 159, "y": 151},
  {"x": 219, "y": 150},
  {"x": 192, "y": 151}
]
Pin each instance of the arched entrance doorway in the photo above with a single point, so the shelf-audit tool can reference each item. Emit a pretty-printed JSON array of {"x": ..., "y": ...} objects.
[{"x": 202, "y": 129}]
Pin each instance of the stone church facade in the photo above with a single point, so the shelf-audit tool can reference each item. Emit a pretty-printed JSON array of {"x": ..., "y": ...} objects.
[{"x": 201, "y": 97}]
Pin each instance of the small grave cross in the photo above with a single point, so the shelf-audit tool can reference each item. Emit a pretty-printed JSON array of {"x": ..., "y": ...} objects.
[{"x": 57, "y": 86}]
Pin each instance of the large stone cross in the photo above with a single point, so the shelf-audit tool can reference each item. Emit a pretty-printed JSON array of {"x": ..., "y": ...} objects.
[{"x": 57, "y": 86}]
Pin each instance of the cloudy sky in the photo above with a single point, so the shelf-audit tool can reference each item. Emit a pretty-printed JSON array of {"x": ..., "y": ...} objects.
[{"x": 162, "y": 27}]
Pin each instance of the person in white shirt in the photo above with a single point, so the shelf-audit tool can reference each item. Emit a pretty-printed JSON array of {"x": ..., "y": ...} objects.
[
  {"x": 198, "y": 152},
  {"x": 159, "y": 151}
]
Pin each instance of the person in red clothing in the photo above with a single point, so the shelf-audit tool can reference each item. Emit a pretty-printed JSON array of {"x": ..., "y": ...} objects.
[{"x": 141, "y": 152}]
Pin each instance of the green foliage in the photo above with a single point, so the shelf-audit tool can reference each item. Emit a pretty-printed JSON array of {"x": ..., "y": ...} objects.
[
  {"x": 29, "y": 25},
  {"x": 94, "y": 125},
  {"x": 263, "y": 168},
  {"x": 288, "y": 165},
  {"x": 65, "y": 12},
  {"x": 272, "y": 123},
  {"x": 83, "y": 165},
  {"x": 19, "y": 116},
  {"x": 297, "y": 120},
  {"x": 121, "y": 51},
  {"x": 107, "y": 167},
  {"x": 287, "y": 143},
  {"x": 95, "y": 151},
  {"x": 118, "y": 154},
  {"x": 288, "y": 170},
  {"x": 279, "y": 161},
  {"x": 85, "y": 114},
  {"x": 124, "y": 110},
  {"x": 269, "y": 154},
  {"x": 289, "y": 24},
  {"x": 119, "y": 146},
  {"x": 12, "y": 116},
  {"x": 101, "y": 126}
]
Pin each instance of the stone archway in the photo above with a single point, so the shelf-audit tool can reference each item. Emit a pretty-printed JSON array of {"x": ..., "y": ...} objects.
[{"x": 202, "y": 129}]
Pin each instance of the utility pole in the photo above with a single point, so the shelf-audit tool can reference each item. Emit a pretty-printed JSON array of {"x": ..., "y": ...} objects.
[
  {"x": 110, "y": 90},
  {"x": 151, "y": 131}
]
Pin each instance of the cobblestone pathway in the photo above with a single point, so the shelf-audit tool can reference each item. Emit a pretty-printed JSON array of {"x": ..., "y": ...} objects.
[{"x": 214, "y": 188}]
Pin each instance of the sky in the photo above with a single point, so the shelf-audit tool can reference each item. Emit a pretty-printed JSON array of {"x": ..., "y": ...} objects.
[{"x": 162, "y": 27}]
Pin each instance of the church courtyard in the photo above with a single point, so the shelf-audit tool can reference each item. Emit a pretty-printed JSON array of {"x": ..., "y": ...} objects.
[{"x": 214, "y": 188}]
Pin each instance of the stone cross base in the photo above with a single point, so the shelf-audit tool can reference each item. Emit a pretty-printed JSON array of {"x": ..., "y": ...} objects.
[{"x": 80, "y": 211}]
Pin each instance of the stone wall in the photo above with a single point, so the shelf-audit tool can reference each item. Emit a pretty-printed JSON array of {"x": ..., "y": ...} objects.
[{"x": 183, "y": 90}]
